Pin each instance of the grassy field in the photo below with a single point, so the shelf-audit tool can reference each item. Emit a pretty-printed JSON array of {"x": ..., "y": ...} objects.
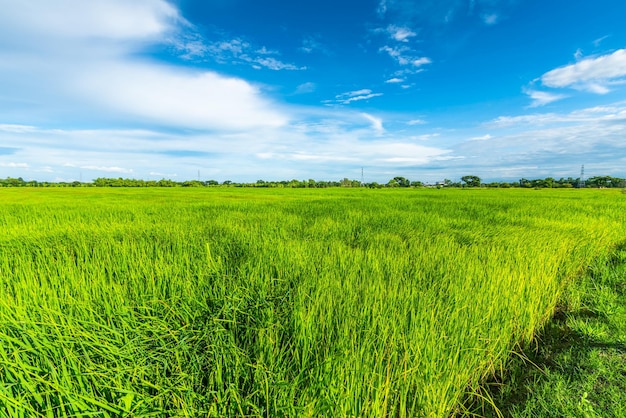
[
  {"x": 577, "y": 367},
  {"x": 243, "y": 302}
]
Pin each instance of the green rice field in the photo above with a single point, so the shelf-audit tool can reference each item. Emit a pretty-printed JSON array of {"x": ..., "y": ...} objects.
[{"x": 225, "y": 302}]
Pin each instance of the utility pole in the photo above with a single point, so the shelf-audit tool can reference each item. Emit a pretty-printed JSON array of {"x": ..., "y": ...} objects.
[{"x": 362, "y": 182}]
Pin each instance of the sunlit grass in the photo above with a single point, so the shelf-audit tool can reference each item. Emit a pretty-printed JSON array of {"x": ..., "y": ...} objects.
[
  {"x": 577, "y": 366},
  {"x": 235, "y": 302}
]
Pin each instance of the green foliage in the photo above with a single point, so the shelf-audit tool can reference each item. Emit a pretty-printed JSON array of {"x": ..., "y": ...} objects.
[
  {"x": 402, "y": 182},
  {"x": 257, "y": 302},
  {"x": 471, "y": 181},
  {"x": 606, "y": 182},
  {"x": 398, "y": 181}
]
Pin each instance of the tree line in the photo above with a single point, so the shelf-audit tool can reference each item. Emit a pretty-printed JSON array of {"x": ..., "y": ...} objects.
[{"x": 469, "y": 181}]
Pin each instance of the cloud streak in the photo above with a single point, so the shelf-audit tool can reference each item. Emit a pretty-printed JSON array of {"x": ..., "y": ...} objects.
[
  {"x": 400, "y": 33},
  {"x": 234, "y": 51},
  {"x": 377, "y": 123},
  {"x": 405, "y": 56},
  {"x": 355, "y": 96},
  {"x": 542, "y": 98},
  {"x": 444, "y": 12}
]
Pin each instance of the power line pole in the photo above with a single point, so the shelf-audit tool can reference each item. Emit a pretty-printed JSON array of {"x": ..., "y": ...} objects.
[{"x": 581, "y": 183}]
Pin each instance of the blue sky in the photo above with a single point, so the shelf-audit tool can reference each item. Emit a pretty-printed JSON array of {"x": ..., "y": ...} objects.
[{"x": 244, "y": 90}]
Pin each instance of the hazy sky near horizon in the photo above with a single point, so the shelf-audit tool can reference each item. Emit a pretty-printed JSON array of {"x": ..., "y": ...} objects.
[{"x": 244, "y": 90}]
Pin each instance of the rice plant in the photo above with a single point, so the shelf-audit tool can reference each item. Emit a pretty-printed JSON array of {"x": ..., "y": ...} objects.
[{"x": 269, "y": 303}]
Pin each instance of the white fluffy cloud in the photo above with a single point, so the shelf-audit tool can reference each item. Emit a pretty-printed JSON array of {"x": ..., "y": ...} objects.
[
  {"x": 400, "y": 33},
  {"x": 418, "y": 62},
  {"x": 41, "y": 20},
  {"x": 595, "y": 75},
  {"x": 75, "y": 61},
  {"x": 541, "y": 98},
  {"x": 168, "y": 95}
]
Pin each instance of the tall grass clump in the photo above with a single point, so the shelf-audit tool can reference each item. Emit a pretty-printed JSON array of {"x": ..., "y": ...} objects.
[{"x": 228, "y": 302}]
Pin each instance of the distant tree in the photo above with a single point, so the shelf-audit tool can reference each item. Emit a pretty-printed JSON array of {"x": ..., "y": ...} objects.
[
  {"x": 402, "y": 182},
  {"x": 572, "y": 181},
  {"x": 192, "y": 183},
  {"x": 398, "y": 181},
  {"x": 539, "y": 183},
  {"x": 118, "y": 182},
  {"x": 471, "y": 181},
  {"x": 295, "y": 183},
  {"x": 14, "y": 182},
  {"x": 166, "y": 183},
  {"x": 101, "y": 182},
  {"x": 605, "y": 182}
]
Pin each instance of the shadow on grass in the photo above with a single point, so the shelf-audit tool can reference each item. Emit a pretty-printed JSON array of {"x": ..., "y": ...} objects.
[{"x": 577, "y": 365}]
